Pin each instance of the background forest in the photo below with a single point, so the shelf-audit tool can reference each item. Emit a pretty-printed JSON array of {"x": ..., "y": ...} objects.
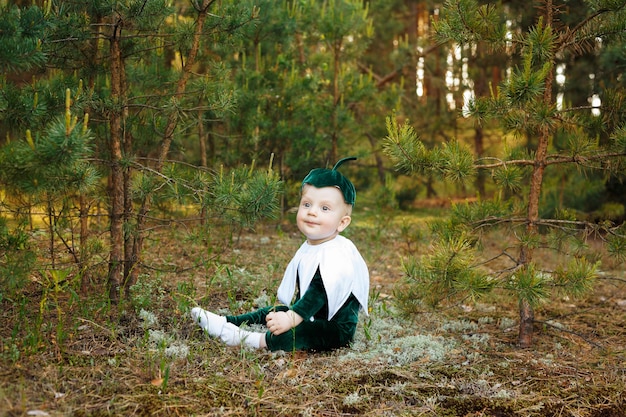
[{"x": 152, "y": 151}]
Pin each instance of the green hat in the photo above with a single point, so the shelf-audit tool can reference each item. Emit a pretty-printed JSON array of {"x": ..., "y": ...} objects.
[{"x": 323, "y": 177}]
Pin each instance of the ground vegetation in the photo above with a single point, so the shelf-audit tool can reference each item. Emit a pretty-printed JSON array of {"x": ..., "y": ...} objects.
[{"x": 67, "y": 355}]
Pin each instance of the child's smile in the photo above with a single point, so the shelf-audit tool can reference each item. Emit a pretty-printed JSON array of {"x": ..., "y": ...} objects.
[{"x": 322, "y": 213}]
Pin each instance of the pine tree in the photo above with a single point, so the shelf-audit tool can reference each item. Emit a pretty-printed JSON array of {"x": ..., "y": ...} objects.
[
  {"x": 525, "y": 106},
  {"x": 139, "y": 100},
  {"x": 146, "y": 103},
  {"x": 50, "y": 169}
]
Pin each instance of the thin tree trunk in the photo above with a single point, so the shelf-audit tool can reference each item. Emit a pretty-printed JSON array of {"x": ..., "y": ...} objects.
[
  {"x": 478, "y": 149},
  {"x": 480, "y": 90},
  {"x": 380, "y": 167},
  {"x": 203, "y": 158},
  {"x": 536, "y": 182},
  {"x": 336, "y": 98},
  {"x": 127, "y": 146},
  {"x": 84, "y": 205},
  {"x": 116, "y": 260},
  {"x": 527, "y": 318},
  {"x": 83, "y": 214},
  {"x": 165, "y": 145},
  {"x": 51, "y": 232},
  {"x": 202, "y": 139}
]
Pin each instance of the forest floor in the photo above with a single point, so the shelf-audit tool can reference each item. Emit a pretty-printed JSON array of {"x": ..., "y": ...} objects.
[{"x": 69, "y": 355}]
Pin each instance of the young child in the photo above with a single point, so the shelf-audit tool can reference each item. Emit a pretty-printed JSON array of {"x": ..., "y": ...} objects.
[{"x": 324, "y": 286}]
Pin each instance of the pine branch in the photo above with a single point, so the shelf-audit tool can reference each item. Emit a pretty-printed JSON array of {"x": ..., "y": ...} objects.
[{"x": 501, "y": 162}]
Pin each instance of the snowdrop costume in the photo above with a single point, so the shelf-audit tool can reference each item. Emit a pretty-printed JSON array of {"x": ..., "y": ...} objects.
[{"x": 326, "y": 284}]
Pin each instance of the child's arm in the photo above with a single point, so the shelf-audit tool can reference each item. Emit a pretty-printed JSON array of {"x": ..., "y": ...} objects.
[
  {"x": 279, "y": 322},
  {"x": 306, "y": 307}
]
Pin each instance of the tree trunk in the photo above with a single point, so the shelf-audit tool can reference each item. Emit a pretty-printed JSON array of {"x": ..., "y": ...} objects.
[
  {"x": 380, "y": 166},
  {"x": 127, "y": 146},
  {"x": 83, "y": 216},
  {"x": 202, "y": 137},
  {"x": 116, "y": 260},
  {"x": 480, "y": 90},
  {"x": 534, "y": 195},
  {"x": 202, "y": 140},
  {"x": 527, "y": 318},
  {"x": 84, "y": 205},
  {"x": 51, "y": 225},
  {"x": 332, "y": 156},
  {"x": 478, "y": 149},
  {"x": 165, "y": 145}
]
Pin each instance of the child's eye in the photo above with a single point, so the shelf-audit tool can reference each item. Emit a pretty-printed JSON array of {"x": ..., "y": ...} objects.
[
  {"x": 325, "y": 208},
  {"x": 307, "y": 205}
]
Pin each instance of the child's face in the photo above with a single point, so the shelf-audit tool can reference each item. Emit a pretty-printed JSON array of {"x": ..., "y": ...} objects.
[{"x": 322, "y": 213}]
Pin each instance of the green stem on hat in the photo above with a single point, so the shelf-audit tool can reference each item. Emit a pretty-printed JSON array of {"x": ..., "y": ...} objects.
[{"x": 341, "y": 161}]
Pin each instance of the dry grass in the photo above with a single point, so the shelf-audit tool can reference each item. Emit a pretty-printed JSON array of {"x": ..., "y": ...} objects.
[{"x": 147, "y": 358}]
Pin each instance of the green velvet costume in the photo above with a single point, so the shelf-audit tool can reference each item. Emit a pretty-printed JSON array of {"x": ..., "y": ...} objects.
[
  {"x": 317, "y": 335},
  {"x": 326, "y": 284}
]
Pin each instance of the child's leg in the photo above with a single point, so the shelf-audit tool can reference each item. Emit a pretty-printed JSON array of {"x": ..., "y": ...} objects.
[
  {"x": 257, "y": 340},
  {"x": 254, "y": 317},
  {"x": 227, "y": 328},
  {"x": 210, "y": 322},
  {"x": 317, "y": 335},
  {"x": 216, "y": 326},
  {"x": 235, "y": 336}
]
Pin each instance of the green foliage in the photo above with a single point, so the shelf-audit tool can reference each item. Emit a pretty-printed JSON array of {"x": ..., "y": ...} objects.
[
  {"x": 386, "y": 196},
  {"x": 454, "y": 162},
  {"x": 529, "y": 285},
  {"x": 17, "y": 259},
  {"x": 56, "y": 284},
  {"x": 616, "y": 243},
  {"x": 585, "y": 202},
  {"x": 525, "y": 85},
  {"x": 539, "y": 47},
  {"x": 481, "y": 214},
  {"x": 244, "y": 195},
  {"x": 339, "y": 19},
  {"x": 618, "y": 139},
  {"x": 52, "y": 162},
  {"x": 21, "y": 34},
  {"x": 469, "y": 23},
  {"x": 301, "y": 93},
  {"x": 290, "y": 80},
  {"x": 48, "y": 169},
  {"x": 20, "y": 108},
  {"x": 508, "y": 177},
  {"x": 451, "y": 161},
  {"x": 405, "y": 149},
  {"x": 533, "y": 286},
  {"x": 447, "y": 272},
  {"x": 147, "y": 292},
  {"x": 552, "y": 185},
  {"x": 59, "y": 165},
  {"x": 578, "y": 277}
]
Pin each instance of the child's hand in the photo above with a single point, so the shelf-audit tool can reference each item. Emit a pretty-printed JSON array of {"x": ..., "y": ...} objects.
[{"x": 278, "y": 322}]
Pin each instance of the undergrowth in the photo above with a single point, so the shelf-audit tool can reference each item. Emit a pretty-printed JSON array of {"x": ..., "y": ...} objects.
[{"x": 65, "y": 354}]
